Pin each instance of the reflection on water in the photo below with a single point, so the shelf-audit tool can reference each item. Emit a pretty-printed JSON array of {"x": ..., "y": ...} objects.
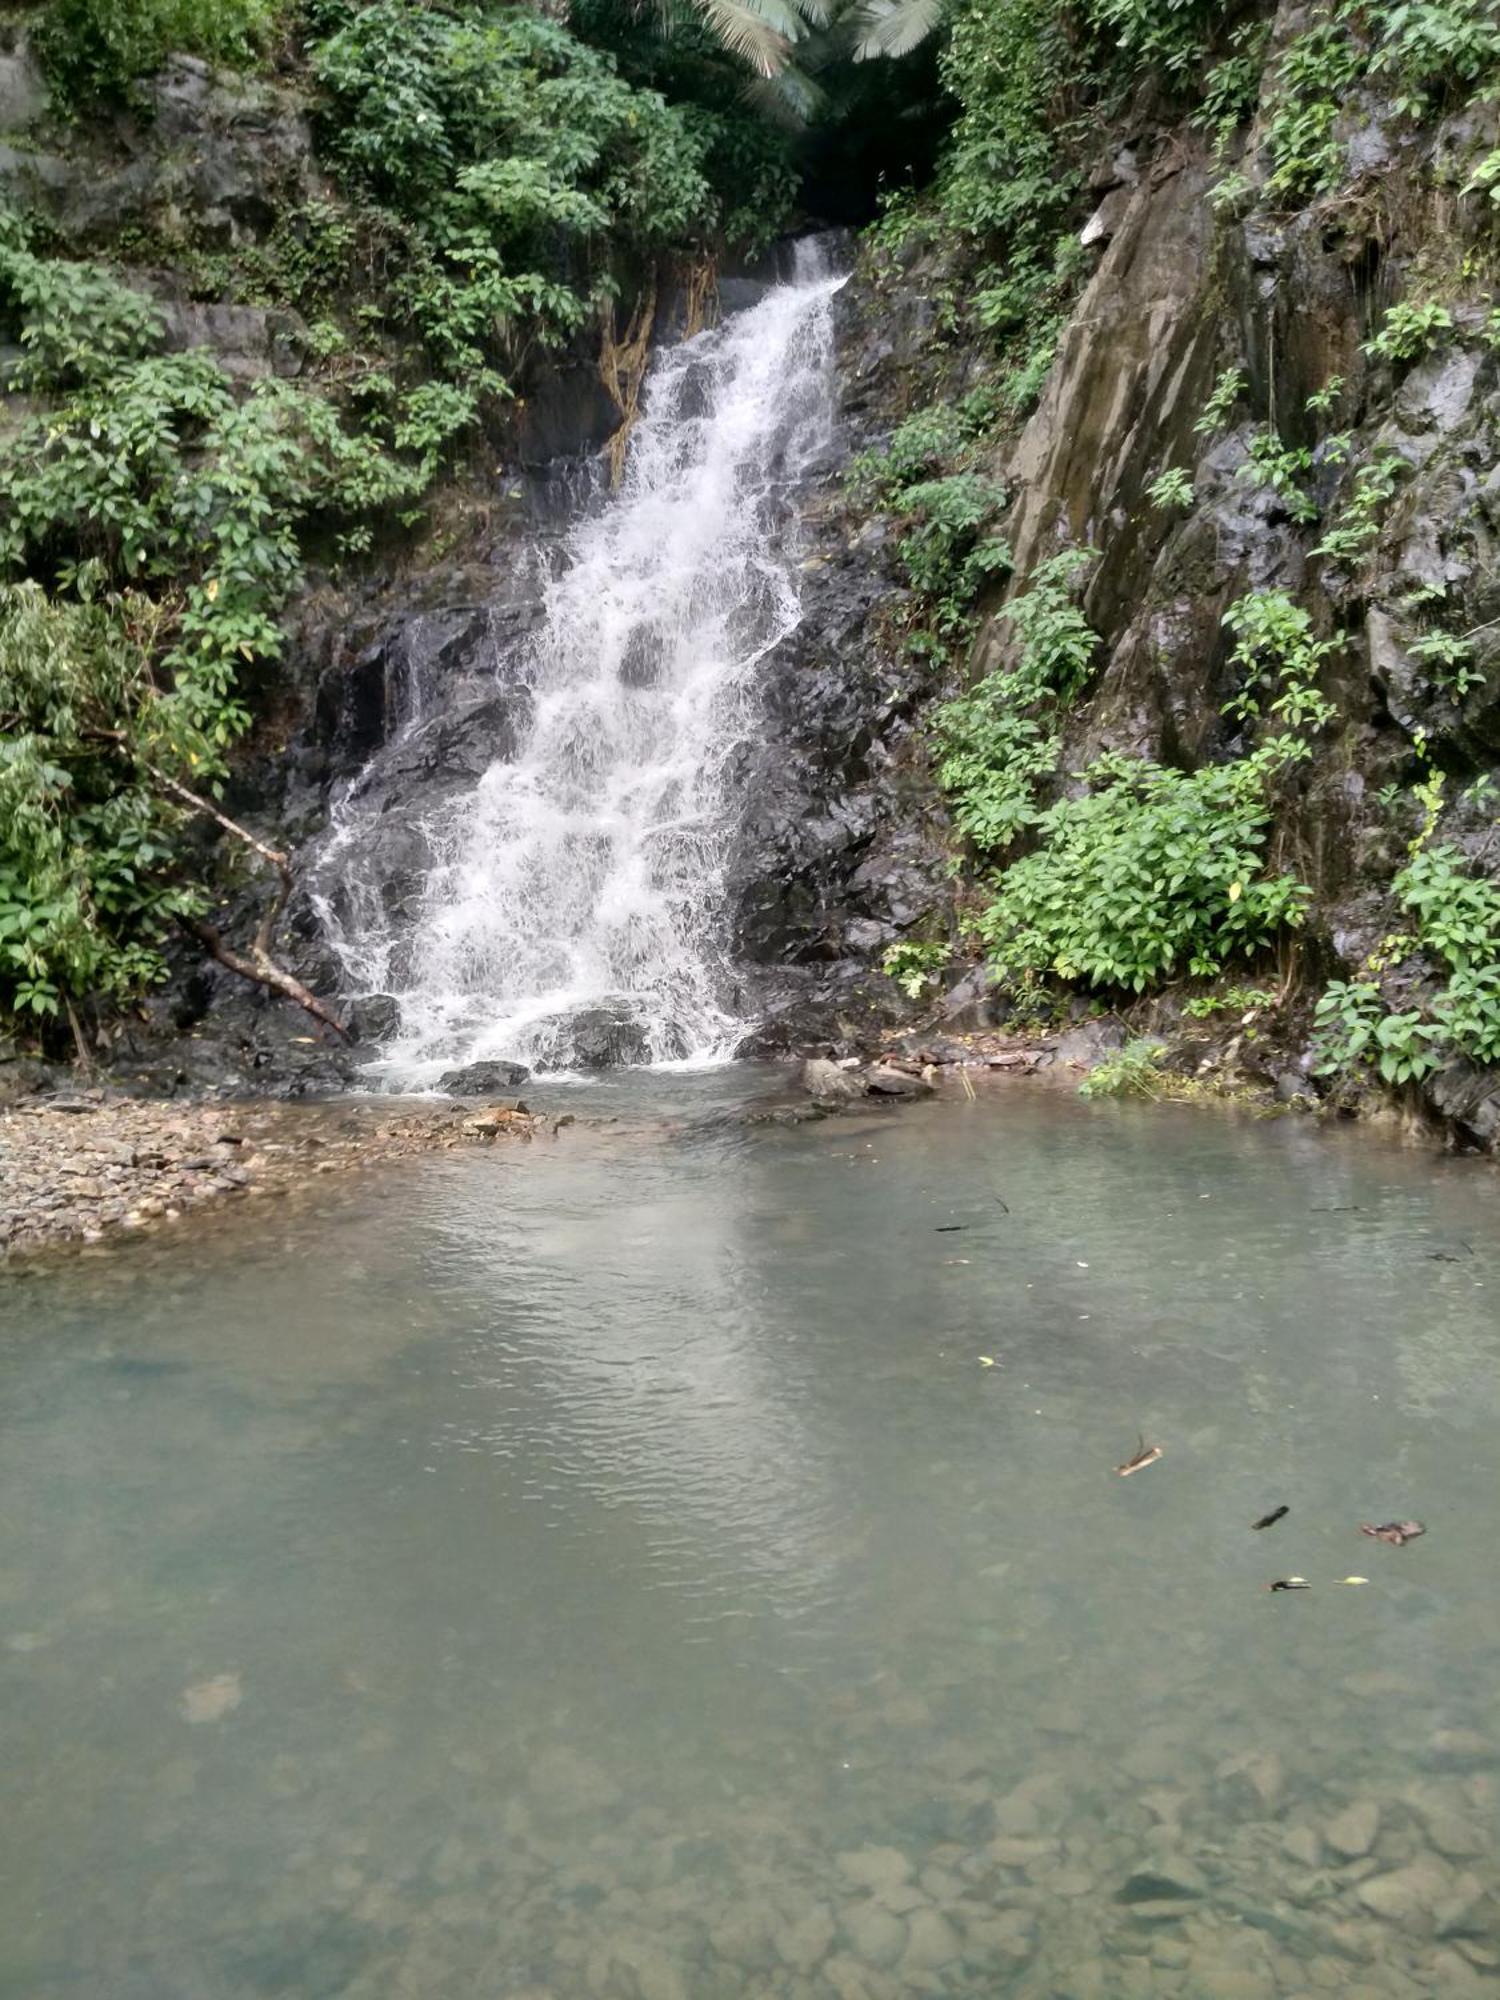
[{"x": 610, "y": 1570}]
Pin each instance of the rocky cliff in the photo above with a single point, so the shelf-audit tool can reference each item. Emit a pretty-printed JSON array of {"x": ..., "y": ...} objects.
[{"x": 1357, "y": 332}]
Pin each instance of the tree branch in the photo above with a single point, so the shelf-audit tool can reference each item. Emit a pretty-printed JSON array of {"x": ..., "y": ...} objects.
[{"x": 258, "y": 965}]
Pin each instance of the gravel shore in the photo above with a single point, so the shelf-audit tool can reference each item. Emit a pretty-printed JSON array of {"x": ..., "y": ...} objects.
[{"x": 79, "y": 1168}]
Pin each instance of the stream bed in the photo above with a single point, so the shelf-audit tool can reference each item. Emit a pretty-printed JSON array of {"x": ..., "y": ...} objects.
[{"x": 684, "y": 1561}]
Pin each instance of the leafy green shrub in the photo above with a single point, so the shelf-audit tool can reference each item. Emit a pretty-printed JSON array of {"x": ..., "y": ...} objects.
[
  {"x": 1316, "y": 72},
  {"x": 998, "y": 740},
  {"x": 1410, "y": 329},
  {"x": 517, "y": 168},
  {"x": 917, "y": 449},
  {"x": 87, "y": 856},
  {"x": 1173, "y": 489},
  {"x": 916, "y": 967},
  {"x": 1152, "y": 872},
  {"x": 1437, "y": 49},
  {"x": 1354, "y": 1029},
  {"x": 98, "y": 48},
  {"x": 1216, "y": 412},
  {"x": 1358, "y": 523},
  {"x": 1278, "y": 654},
  {"x": 1458, "y": 924},
  {"x": 1281, "y": 467},
  {"x": 1134, "y": 1071},
  {"x": 946, "y": 556},
  {"x": 167, "y": 513}
]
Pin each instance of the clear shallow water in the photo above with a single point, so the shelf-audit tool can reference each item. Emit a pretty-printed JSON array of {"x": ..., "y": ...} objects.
[{"x": 608, "y": 1569}]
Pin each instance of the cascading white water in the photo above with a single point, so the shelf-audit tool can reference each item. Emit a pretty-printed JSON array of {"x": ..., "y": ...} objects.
[{"x": 578, "y": 891}]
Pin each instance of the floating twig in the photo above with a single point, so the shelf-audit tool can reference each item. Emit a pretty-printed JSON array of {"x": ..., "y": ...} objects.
[
  {"x": 1270, "y": 1520},
  {"x": 1147, "y": 1454}
]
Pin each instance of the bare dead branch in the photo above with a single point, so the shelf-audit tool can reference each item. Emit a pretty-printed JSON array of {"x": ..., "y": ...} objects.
[
  {"x": 261, "y": 968},
  {"x": 258, "y": 965}
]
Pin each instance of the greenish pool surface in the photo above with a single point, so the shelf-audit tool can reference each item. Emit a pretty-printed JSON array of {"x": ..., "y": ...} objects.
[{"x": 610, "y": 1570}]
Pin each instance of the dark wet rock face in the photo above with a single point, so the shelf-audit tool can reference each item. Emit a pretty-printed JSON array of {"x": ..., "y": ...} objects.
[{"x": 483, "y": 1079}]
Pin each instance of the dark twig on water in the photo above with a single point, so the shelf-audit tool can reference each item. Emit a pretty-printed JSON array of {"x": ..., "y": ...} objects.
[{"x": 1269, "y": 1520}]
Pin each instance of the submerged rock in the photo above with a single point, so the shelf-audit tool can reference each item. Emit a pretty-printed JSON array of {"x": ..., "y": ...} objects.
[
  {"x": 483, "y": 1079},
  {"x": 1354, "y": 1831}
]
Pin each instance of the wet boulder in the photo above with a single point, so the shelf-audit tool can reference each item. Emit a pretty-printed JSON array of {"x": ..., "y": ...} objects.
[
  {"x": 607, "y": 1038},
  {"x": 483, "y": 1079}
]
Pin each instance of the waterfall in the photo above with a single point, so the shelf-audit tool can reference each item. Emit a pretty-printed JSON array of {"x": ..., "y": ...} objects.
[{"x": 574, "y": 911}]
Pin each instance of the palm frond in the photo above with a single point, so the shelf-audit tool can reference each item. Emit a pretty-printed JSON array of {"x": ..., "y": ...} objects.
[
  {"x": 894, "y": 27},
  {"x": 750, "y": 29},
  {"x": 789, "y": 97}
]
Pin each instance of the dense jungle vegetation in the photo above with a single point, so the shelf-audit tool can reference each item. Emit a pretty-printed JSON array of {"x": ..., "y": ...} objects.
[{"x": 510, "y": 182}]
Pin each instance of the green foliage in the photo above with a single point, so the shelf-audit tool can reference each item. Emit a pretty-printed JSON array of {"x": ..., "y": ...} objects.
[
  {"x": 916, "y": 967},
  {"x": 1437, "y": 49},
  {"x": 1410, "y": 329},
  {"x": 917, "y": 449},
  {"x": 165, "y": 512},
  {"x": 1358, "y": 524},
  {"x": 1134, "y": 1071},
  {"x": 998, "y": 741},
  {"x": 1353, "y": 1029},
  {"x": 86, "y": 851},
  {"x": 1172, "y": 489},
  {"x": 1449, "y": 660},
  {"x": 1281, "y": 467},
  {"x": 1216, "y": 412},
  {"x": 1150, "y": 873},
  {"x": 98, "y": 48},
  {"x": 513, "y": 180},
  {"x": 1315, "y": 75},
  {"x": 1246, "y": 1001},
  {"x": 1278, "y": 655},
  {"x": 1457, "y": 926},
  {"x": 1231, "y": 90},
  {"x": 946, "y": 554}
]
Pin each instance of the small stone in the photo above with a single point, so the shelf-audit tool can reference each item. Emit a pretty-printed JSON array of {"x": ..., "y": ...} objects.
[
  {"x": 1353, "y": 1832},
  {"x": 828, "y": 1085},
  {"x": 807, "y": 1941},
  {"x": 876, "y": 1936},
  {"x": 874, "y": 1868},
  {"x": 1070, "y": 1882},
  {"x": 1401, "y": 1894},
  {"x": 931, "y": 1943},
  {"x": 1457, "y": 1838},
  {"x": 1167, "y": 1879},
  {"x": 1463, "y": 1750},
  {"x": 1304, "y": 1845},
  {"x": 1017, "y": 1814},
  {"x": 1011, "y": 1852},
  {"x": 1255, "y": 1778}
]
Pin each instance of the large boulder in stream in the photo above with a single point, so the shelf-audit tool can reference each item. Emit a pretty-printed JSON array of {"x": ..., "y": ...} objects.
[
  {"x": 606, "y": 1038},
  {"x": 483, "y": 1079}
]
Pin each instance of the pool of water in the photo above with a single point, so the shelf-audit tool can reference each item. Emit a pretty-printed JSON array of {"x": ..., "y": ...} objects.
[{"x": 684, "y": 1561}]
